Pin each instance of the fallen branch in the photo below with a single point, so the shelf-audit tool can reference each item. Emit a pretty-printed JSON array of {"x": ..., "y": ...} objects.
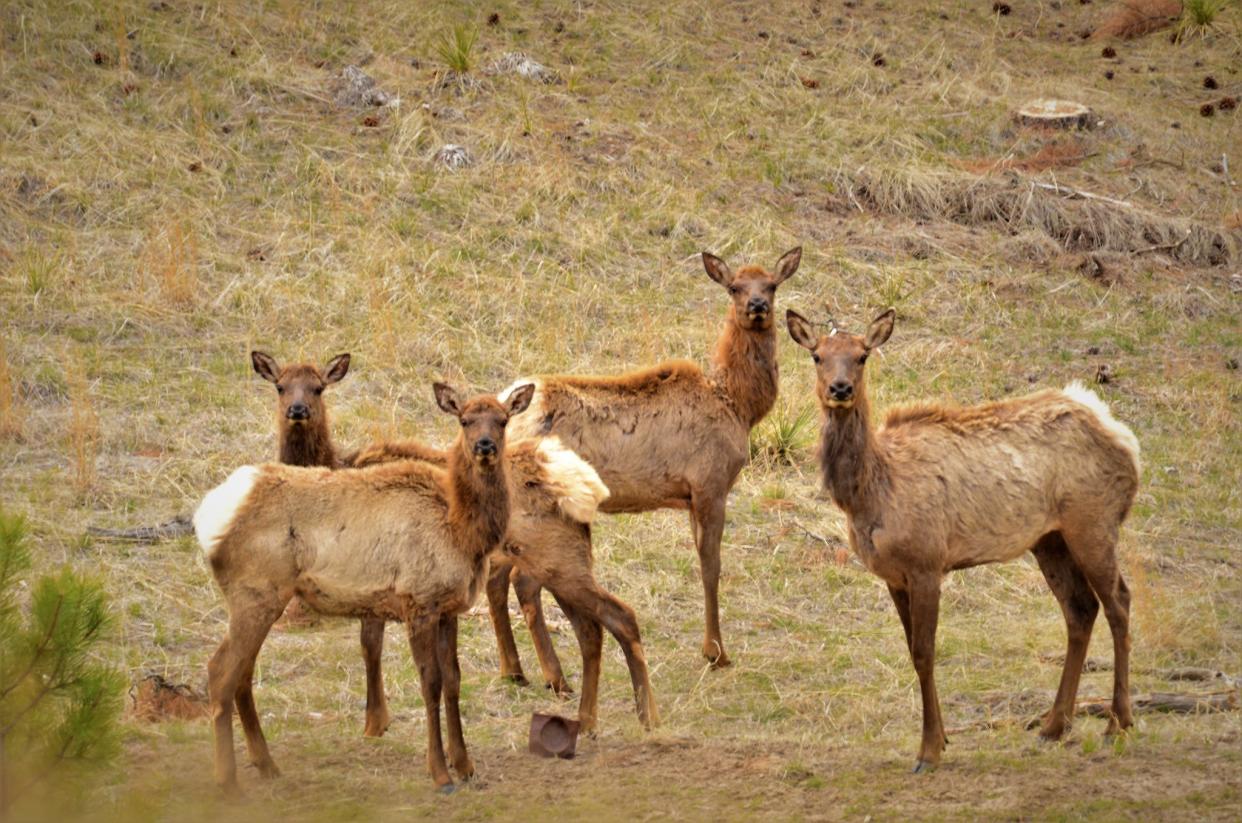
[
  {"x": 179, "y": 526},
  {"x": 1206, "y": 703},
  {"x": 1076, "y": 194}
]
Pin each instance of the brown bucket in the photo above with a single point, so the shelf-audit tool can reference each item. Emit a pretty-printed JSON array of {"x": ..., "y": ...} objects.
[{"x": 553, "y": 736}]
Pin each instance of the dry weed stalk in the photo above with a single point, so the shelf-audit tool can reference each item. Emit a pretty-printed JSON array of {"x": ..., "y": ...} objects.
[
  {"x": 11, "y": 412},
  {"x": 83, "y": 429},
  {"x": 173, "y": 260}
]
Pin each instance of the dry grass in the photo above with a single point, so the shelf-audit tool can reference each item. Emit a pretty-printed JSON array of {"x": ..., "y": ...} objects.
[
  {"x": 280, "y": 221},
  {"x": 11, "y": 412}
]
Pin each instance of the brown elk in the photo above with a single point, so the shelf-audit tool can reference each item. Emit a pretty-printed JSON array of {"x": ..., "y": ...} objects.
[
  {"x": 554, "y": 497},
  {"x": 403, "y": 541},
  {"x": 672, "y": 436},
  {"x": 301, "y": 418},
  {"x": 939, "y": 488},
  {"x": 304, "y": 438}
]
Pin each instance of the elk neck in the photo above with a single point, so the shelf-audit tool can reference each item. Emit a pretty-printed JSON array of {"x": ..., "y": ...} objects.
[
  {"x": 478, "y": 503},
  {"x": 853, "y": 467},
  {"x": 307, "y": 444},
  {"x": 745, "y": 365}
]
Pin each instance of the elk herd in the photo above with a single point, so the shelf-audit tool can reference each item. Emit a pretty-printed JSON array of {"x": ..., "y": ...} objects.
[{"x": 407, "y": 532}]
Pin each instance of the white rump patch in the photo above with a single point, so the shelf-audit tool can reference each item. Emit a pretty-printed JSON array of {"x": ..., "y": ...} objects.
[
  {"x": 573, "y": 481},
  {"x": 215, "y": 514},
  {"x": 1121, "y": 433}
]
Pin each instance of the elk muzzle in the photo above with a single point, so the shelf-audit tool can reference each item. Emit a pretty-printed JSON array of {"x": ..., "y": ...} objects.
[{"x": 298, "y": 413}]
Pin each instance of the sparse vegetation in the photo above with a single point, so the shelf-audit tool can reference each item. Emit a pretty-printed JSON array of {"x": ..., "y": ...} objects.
[
  {"x": 456, "y": 50},
  {"x": 570, "y": 245},
  {"x": 1199, "y": 17}
]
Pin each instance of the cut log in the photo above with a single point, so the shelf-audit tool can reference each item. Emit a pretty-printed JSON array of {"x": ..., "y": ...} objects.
[
  {"x": 1171, "y": 703},
  {"x": 1046, "y": 113},
  {"x": 177, "y": 527}
]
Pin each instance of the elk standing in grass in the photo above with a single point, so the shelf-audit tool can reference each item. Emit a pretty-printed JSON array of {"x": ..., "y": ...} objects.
[
  {"x": 554, "y": 496},
  {"x": 305, "y": 439},
  {"x": 403, "y": 541},
  {"x": 672, "y": 436},
  {"x": 940, "y": 488}
]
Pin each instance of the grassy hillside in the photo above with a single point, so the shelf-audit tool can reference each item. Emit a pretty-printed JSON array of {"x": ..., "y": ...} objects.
[{"x": 182, "y": 181}]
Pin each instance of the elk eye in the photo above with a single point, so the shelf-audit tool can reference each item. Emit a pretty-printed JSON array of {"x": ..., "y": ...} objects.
[
  {"x": 734, "y": 290},
  {"x": 862, "y": 360},
  {"x": 815, "y": 357},
  {"x": 319, "y": 391},
  {"x": 280, "y": 389}
]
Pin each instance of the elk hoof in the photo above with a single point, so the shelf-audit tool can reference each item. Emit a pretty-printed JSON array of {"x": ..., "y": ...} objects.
[
  {"x": 267, "y": 770},
  {"x": 518, "y": 679},
  {"x": 561, "y": 689},
  {"x": 447, "y": 788},
  {"x": 923, "y": 767}
]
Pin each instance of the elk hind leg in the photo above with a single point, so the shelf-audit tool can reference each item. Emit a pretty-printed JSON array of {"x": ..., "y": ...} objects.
[
  {"x": 1079, "y": 605},
  {"x": 372, "y": 638},
  {"x": 529, "y": 596}
]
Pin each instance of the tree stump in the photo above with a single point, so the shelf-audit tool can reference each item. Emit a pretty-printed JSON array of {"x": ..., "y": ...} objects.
[{"x": 1056, "y": 114}]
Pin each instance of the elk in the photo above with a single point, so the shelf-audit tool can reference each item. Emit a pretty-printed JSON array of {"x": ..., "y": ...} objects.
[
  {"x": 402, "y": 541},
  {"x": 939, "y": 488},
  {"x": 305, "y": 439},
  {"x": 674, "y": 436},
  {"x": 553, "y": 498},
  {"x": 301, "y": 418}
]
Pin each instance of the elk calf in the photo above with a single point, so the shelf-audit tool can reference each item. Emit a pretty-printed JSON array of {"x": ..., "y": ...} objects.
[
  {"x": 939, "y": 488},
  {"x": 403, "y": 541}
]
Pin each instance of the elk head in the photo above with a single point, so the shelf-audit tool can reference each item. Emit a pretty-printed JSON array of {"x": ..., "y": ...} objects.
[
  {"x": 840, "y": 357},
  {"x": 299, "y": 387},
  {"x": 753, "y": 288},
  {"x": 483, "y": 419}
]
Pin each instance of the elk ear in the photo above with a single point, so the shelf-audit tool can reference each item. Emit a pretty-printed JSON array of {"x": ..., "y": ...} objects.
[
  {"x": 800, "y": 330},
  {"x": 717, "y": 269},
  {"x": 788, "y": 264},
  {"x": 446, "y": 399},
  {"x": 880, "y": 328},
  {"x": 336, "y": 369},
  {"x": 265, "y": 366},
  {"x": 520, "y": 398}
]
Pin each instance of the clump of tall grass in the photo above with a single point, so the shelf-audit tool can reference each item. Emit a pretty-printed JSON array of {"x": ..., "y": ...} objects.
[
  {"x": 783, "y": 434},
  {"x": 456, "y": 50},
  {"x": 1199, "y": 18},
  {"x": 83, "y": 433},
  {"x": 11, "y": 413},
  {"x": 172, "y": 259}
]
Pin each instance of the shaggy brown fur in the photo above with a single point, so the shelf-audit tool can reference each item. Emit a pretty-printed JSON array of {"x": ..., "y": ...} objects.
[
  {"x": 548, "y": 544},
  {"x": 672, "y": 436},
  {"x": 941, "y": 488},
  {"x": 403, "y": 541}
]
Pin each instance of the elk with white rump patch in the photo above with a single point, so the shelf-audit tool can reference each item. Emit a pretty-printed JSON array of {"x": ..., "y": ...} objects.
[
  {"x": 939, "y": 488},
  {"x": 401, "y": 541},
  {"x": 673, "y": 436}
]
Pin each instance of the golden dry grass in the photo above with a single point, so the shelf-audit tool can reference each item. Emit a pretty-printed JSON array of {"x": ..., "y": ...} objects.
[{"x": 170, "y": 199}]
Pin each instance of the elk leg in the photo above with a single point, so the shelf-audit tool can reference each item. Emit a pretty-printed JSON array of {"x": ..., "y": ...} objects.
[
  {"x": 372, "y": 637},
  {"x": 446, "y": 649},
  {"x": 924, "y": 612},
  {"x": 256, "y": 743},
  {"x": 498, "y": 608},
  {"x": 248, "y": 627},
  {"x": 423, "y": 633},
  {"x": 528, "y": 593},
  {"x": 591, "y": 643},
  {"x": 1079, "y": 606},
  {"x": 1093, "y": 546},
  {"x": 709, "y": 516},
  {"x": 621, "y": 623},
  {"x": 901, "y": 599}
]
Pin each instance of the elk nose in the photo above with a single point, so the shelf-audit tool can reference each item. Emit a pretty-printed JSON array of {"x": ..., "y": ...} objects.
[
  {"x": 298, "y": 411},
  {"x": 841, "y": 390},
  {"x": 485, "y": 447},
  {"x": 757, "y": 305}
]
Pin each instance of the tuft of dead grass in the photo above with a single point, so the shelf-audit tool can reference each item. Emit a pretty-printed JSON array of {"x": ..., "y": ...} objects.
[
  {"x": 1129, "y": 19},
  {"x": 83, "y": 429},
  {"x": 172, "y": 260},
  {"x": 12, "y": 414},
  {"x": 1078, "y": 222}
]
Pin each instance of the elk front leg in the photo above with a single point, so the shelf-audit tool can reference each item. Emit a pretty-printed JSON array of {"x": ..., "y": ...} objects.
[
  {"x": 498, "y": 608},
  {"x": 709, "y": 516},
  {"x": 529, "y": 596},
  {"x": 924, "y": 612},
  {"x": 424, "y": 636},
  {"x": 446, "y": 649},
  {"x": 372, "y": 636}
]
